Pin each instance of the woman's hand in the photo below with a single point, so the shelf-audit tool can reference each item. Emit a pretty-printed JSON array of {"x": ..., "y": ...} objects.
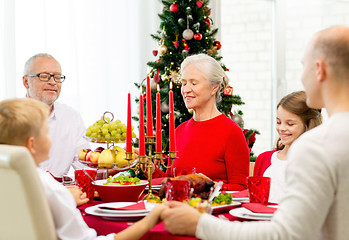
[{"x": 79, "y": 196}]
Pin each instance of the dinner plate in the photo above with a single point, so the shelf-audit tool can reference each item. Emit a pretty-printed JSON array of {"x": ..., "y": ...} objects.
[
  {"x": 240, "y": 199},
  {"x": 247, "y": 214},
  {"x": 148, "y": 206},
  {"x": 225, "y": 207},
  {"x": 116, "y": 216},
  {"x": 155, "y": 187}
]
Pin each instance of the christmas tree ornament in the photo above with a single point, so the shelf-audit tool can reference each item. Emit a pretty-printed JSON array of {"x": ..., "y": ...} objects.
[
  {"x": 188, "y": 34},
  {"x": 188, "y": 10},
  {"x": 164, "y": 107},
  {"x": 176, "y": 43},
  {"x": 181, "y": 22},
  {"x": 217, "y": 44},
  {"x": 156, "y": 76},
  {"x": 212, "y": 50},
  {"x": 163, "y": 49},
  {"x": 228, "y": 91},
  {"x": 189, "y": 18},
  {"x": 208, "y": 11},
  {"x": 175, "y": 77},
  {"x": 208, "y": 22},
  {"x": 196, "y": 26},
  {"x": 174, "y": 7},
  {"x": 199, "y": 4},
  {"x": 185, "y": 53},
  {"x": 238, "y": 119},
  {"x": 155, "y": 53},
  {"x": 197, "y": 36},
  {"x": 153, "y": 84},
  {"x": 164, "y": 77}
]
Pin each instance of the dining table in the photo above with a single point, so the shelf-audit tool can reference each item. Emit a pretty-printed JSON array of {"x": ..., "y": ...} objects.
[{"x": 107, "y": 226}]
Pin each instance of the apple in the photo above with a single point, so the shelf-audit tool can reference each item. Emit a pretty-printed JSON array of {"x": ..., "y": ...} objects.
[
  {"x": 92, "y": 156},
  {"x": 99, "y": 149},
  {"x": 106, "y": 158},
  {"x": 83, "y": 153}
]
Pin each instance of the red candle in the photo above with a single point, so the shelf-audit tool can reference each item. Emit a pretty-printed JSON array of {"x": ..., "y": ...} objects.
[
  {"x": 129, "y": 127},
  {"x": 141, "y": 127},
  {"x": 172, "y": 121},
  {"x": 149, "y": 111},
  {"x": 158, "y": 122}
]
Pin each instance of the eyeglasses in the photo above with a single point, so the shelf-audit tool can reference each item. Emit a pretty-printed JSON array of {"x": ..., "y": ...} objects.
[{"x": 45, "y": 77}]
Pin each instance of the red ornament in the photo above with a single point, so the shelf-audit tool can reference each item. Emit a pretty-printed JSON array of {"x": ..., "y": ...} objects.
[
  {"x": 228, "y": 91},
  {"x": 174, "y": 7},
  {"x": 208, "y": 21},
  {"x": 217, "y": 44},
  {"x": 208, "y": 10},
  {"x": 197, "y": 36},
  {"x": 155, "y": 53},
  {"x": 175, "y": 43},
  {"x": 199, "y": 4}
]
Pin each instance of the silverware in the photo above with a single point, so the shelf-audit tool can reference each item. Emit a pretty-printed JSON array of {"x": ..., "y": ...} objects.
[
  {"x": 88, "y": 175},
  {"x": 216, "y": 190}
]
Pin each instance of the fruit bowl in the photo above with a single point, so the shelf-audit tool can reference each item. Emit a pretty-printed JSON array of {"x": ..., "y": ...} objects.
[
  {"x": 119, "y": 193},
  {"x": 116, "y": 166}
]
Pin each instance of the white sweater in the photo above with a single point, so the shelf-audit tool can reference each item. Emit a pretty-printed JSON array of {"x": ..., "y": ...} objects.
[{"x": 316, "y": 201}]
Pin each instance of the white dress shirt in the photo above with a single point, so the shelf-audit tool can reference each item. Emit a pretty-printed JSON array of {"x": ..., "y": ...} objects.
[
  {"x": 68, "y": 221},
  {"x": 67, "y": 130}
]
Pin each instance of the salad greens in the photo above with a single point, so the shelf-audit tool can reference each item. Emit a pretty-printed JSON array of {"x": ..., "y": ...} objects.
[{"x": 122, "y": 180}]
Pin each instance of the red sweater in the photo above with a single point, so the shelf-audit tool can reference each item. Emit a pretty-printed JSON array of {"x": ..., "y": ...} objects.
[
  {"x": 216, "y": 148},
  {"x": 263, "y": 161}
]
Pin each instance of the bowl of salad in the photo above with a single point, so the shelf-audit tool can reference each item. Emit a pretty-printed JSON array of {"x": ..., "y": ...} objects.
[{"x": 120, "y": 189}]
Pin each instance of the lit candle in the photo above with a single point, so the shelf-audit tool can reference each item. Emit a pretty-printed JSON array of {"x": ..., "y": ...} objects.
[
  {"x": 129, "y": 127},
  {"x": 172, "y": 121},
  {"x": 158, "y": 122},
  {"x": 149, "y": 111},
  {"x": 141, "y": 127}
]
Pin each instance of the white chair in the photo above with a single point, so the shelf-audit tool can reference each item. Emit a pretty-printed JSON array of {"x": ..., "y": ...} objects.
[{"x": 24, "y": 210}]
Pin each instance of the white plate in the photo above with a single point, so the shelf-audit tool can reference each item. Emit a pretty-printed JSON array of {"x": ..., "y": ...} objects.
[
  {"x": 155, "y": 187},
  {"x": 242, "y": 199},
  {"x": 94, "y": 210},
  {"x": 148, "y": 206},
  {"x": 247, "y": 214}
]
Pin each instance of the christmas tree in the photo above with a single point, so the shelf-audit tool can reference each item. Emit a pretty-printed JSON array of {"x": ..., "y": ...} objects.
[{"x": 185, "y": 29}]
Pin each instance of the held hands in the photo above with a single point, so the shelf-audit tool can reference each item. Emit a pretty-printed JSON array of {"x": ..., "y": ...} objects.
[
  {"x": 180, "y": 218},
  {"x": 79, "y": 196}
]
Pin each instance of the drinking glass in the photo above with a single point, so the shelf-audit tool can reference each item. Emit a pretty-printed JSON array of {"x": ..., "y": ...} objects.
[
  {"x": 178, "y": 171},
  {"x": 83, "y": 179},
  {"x": 177, "y": 190},
  {"x": 258, "y": 189}
]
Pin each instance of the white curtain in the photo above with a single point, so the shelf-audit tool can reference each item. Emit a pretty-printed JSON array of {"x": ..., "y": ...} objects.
[{"x": 103, "y": 47}]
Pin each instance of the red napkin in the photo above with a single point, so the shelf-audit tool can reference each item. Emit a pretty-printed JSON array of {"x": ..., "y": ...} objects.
[
  {"x": 137, "y": 206},
  {"x": 157, "y": 181},
  {"x": 259, "y": 208},
  {"x": 241, "y": 194}
]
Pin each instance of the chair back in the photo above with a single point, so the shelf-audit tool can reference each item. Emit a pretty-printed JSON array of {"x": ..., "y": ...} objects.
[{"x": 24, "y": 209}]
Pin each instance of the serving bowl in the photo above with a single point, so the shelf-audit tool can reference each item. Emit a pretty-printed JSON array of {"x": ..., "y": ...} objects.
[{"x": 119, "y": 193}]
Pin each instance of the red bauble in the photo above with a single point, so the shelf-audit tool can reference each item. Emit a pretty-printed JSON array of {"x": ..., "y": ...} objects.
[
  {"x": 176, "y": 44},
  {"x": 174, "y": 7},
  {"x": 197, "y": 36},
  {"x": 199, "y": 4},
  {"x": 217, "y": 44},
  {"x": 155, "y": 53},
  {"x": 208, "y": 21}
]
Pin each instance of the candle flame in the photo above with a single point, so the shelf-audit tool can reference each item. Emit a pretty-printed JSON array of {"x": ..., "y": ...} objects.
[
  {"x": 158, "y": 87},
  {"x": 171, "y": 85}
]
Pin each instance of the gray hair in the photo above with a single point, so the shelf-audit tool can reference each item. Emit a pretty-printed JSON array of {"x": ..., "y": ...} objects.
[
  {"x": 29, "y": 63},
  {"x": 213, "y": 70}
]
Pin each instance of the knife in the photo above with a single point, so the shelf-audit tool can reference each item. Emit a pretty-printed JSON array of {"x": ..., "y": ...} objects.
[{"x": 216, "y": 190}]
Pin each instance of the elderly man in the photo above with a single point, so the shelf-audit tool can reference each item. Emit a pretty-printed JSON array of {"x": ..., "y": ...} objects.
[
  {"x": 43, "y": 80},
  {"x": 316, "y": 199}
]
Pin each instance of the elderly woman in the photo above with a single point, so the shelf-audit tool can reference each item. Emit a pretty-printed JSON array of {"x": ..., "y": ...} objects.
[{"x": 210, "y": 141}]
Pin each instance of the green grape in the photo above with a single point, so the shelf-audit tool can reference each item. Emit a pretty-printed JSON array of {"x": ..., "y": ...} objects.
[
  {"x": 113, "y": 133},
  {"x": 123, "y": 128},
  {"x": 88, "y": 132},
  {"x": 94, "y": 129},
  {"x": 94, "y": 135},
  {"x": 107, "y": 136},
  {"x": 118, "y": 135},
  {"x": 123, "y": 135},
  {"x": 113, "y": 126},
  {"x": 107, "y": 119},
  {"x": 106, "y": 126},
  {"x": 100, "y": 121},
  {"x": 118, "y": 130},
  {"x": 117, "y": 122},
  {"x": 133, "y": 135},
  {"x": 132, "y": 127},
  {"x": 105, "y": 131}
]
